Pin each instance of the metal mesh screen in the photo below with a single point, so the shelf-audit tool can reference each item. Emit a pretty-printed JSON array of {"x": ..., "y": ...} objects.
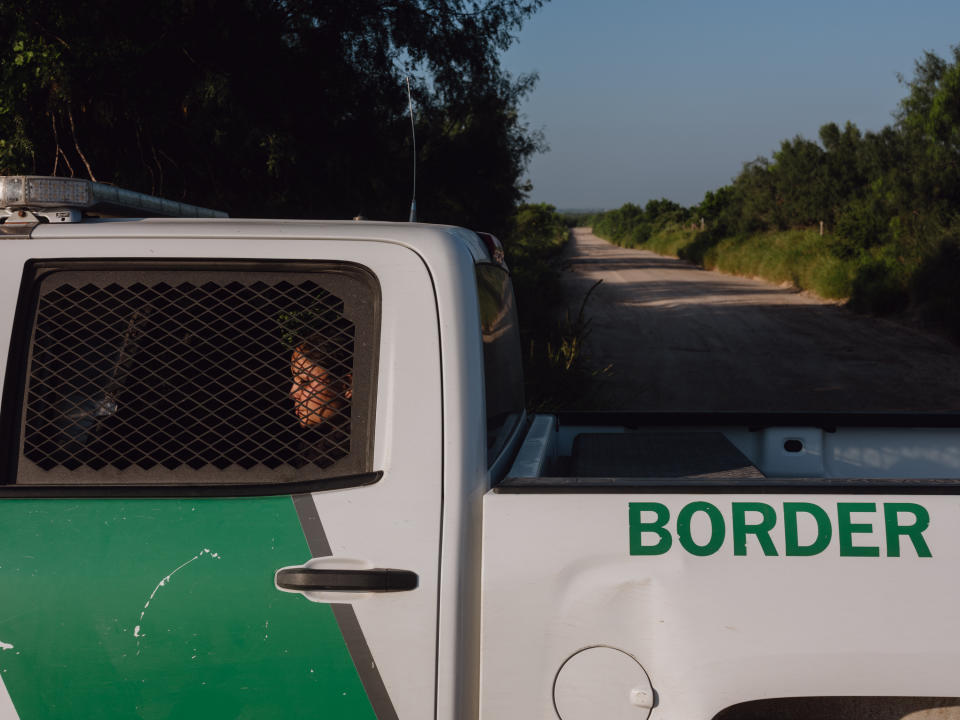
[{"x": 211, "y": 371}]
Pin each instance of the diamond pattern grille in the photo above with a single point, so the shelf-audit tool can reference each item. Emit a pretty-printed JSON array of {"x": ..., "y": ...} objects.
[{"x": 175, "y": 375}]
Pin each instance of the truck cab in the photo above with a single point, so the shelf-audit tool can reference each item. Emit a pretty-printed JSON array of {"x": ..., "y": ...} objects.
[{"x": 183, "y": 536}]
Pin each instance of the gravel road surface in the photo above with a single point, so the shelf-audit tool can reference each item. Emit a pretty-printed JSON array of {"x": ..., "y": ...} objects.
[{"x": 679, "y": 338}]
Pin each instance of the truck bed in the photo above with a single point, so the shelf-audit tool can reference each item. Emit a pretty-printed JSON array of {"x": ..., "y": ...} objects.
[
  {"x": 724, "y": 565},
  {"x": 619, "y": 450}
]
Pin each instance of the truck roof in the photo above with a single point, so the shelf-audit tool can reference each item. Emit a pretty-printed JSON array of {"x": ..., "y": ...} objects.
[
  {"x": 421, "y": 237},
  {"x": 41, "y": 207}
]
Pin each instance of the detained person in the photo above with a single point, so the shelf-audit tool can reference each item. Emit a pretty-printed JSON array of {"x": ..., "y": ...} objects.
[{"x": 321, "y": 393}]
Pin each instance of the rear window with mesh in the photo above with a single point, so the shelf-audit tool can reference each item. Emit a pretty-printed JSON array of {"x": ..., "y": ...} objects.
[{"x": 224, "y": 374}]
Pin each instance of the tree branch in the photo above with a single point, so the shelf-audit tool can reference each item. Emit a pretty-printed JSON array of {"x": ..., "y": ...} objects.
[
  {"x": 76, "y": 144},
  {"x": 59, "y": 150}
]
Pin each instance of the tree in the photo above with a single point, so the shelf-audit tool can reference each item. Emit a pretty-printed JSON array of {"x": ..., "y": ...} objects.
[
  {"x": 801, "y": 182},
  {"x": 845, "y": 166},
  {"x": 923, "y": 190},
  {"x": 929, "y": 121},
  {"x": 715, "y": 207},
  {"x": 662, "y": 211},
  {"x": 271, "y": 107},
  {"x": 756, "y": 192}
]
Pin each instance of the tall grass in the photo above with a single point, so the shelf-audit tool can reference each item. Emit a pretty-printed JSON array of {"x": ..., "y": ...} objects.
[
  {"x": 556, "y": 368},
  {"x": 559, "y": 374},
  {"x": 877, "y": 280},
  {"x": 670, "y": 239},
  {"x": 797, "y": 257}
]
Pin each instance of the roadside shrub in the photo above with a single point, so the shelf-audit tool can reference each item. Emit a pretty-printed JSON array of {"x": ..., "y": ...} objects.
[
  {"x": 636, "y": 236},
  {"x": 704, "y": 241},
  {"x": 861, "y": 224},
  {"x": 559, "y": 375},
  {"x": 579, "y": 219},
  {"x": 880, "y": 264},
  {"x": 670, "y": 239},
  {"x": 935, "y": 287},
  {"x": 632, "y": 226},
  {"x": 556, "y": 370},
  {"x": 832, "y": 278},
  {"x": 798, "y": 257},
  {"x": 532, "y": 249},
  {"x": 880, "y": 284}
]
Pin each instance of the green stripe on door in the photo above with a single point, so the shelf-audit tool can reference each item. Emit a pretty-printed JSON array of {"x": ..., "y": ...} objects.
[{"x": 216, "y": 640}]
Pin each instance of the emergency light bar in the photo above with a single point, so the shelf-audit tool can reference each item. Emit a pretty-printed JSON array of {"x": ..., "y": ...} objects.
[{"x": 36, "y": 192}]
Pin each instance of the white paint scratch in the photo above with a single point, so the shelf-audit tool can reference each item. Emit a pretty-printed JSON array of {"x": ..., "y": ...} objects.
[
  {"x": 5, "y": 646},
  {"x": 137, "y": 633}
]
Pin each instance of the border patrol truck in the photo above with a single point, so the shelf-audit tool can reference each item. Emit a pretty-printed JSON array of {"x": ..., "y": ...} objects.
[{"x": 282, "y": 469}]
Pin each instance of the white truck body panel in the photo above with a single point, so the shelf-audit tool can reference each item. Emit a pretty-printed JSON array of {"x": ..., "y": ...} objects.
[
  {"x": 710, "y": 631},
  {"x": 857, "y": 602}
]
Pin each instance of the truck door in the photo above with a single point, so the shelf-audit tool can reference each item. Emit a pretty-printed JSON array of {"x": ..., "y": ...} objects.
[{"x": 197, "y": 518}]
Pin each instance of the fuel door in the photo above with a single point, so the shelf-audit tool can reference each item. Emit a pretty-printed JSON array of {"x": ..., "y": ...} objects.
[{"x": 602, "y": 682}]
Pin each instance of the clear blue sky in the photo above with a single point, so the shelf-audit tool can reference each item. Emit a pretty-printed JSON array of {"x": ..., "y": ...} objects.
[{"x": 641, "y": 99}]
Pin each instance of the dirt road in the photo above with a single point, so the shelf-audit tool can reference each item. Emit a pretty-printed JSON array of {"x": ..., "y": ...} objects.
[{"x": 681, "y": 338}]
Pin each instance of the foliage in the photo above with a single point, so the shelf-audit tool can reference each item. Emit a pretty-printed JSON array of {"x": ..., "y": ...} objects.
[
  {"x": 702, "y": 243},
  {"x": 532, "y": 250},
  {"x": 889, "y": 203},
  {"x": 671, "y": 238},
  {"x": 861, "y": 224},
  {"x": 272, "y": 107},
  {"x": 881, "y": 284},
  {"x": 555, "y": 366},
  {"x": 559, "y": 373},
  {"x": 797, "y": 257},
  {"x": 934, "y": 285},
  {"x": 632, "y": 225}
]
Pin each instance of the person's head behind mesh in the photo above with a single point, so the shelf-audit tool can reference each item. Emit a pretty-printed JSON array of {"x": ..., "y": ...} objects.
[{"x": 322, "y": 387}]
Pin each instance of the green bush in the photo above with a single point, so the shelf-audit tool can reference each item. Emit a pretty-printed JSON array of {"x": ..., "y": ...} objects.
[
  {"x": 558, "y": 373},
  {"x": 831, "y": 278},
  {"x": 880, "y": 284},
  {"x": 696, "y": 251},
  {"x": 579, "y": 219},
  {"x": 861, "y": 224},
  {"x": 537, "y": 237},
  {"x": 671, "y": 239},
  {"x": 633, "y": 226},
  {"x": 935, "y": 286},
  {"x": 878, "y": 260},
  {"x": 555, "y": 367}
]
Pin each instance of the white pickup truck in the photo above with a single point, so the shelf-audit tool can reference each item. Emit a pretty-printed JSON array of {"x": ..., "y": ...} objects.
[{"x": 282, "y": 469}]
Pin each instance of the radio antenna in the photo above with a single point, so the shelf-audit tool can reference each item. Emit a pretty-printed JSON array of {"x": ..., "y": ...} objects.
[{"x": 413, "y": 134}]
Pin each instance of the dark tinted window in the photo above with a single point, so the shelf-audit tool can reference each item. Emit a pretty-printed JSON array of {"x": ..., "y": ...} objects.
[
  {"x": 502, "y": 362},
  {"x": 221, "y": 375}
]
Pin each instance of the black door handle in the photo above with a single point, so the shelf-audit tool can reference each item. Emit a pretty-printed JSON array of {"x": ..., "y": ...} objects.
[{"x": 331, "y": 580}]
